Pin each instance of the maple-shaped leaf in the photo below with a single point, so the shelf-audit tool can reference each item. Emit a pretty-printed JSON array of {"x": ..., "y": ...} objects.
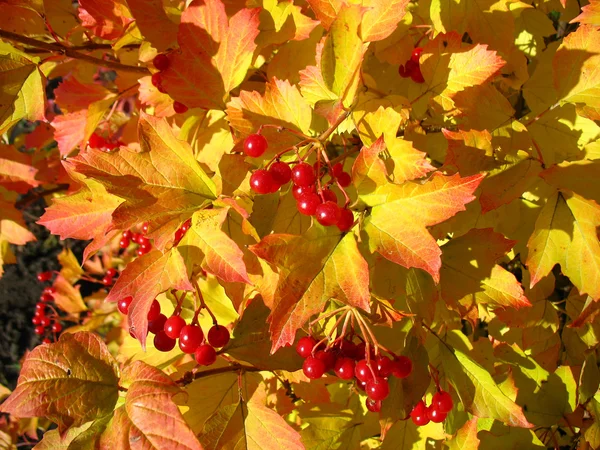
[
  {"x": 575, "y": 67},
  {"x": 565, "y": 234},
  {"x": 330, "y": 425},
  {"x": 578, "y": 176},
  {"x": 369, "y": 171},
  {"x": 72, "y": 95},
  {"x": 206, "y": 243},
  {"x": 466, "y": 437},
  {"x": 381, "y": 18},
  {"x": 469, "y": 151},
  {"x": 397, "y": 229},
  {"x": 85, "y": 436},
  {"x": 16, "y": 170},
  {"x": 153, "y": 22},
  {"x": 215, "y": 53},
  {"x": 330, "y": 267},
  {"x": 71, "y": 382},
  {"x": 162, "y": 184},
  {"x": 149, "y": 418},
  {"x": 285, "y": 22},
  {"x": 107, "y": 19},
  {"x": 470, "y": 275},
  {"x": 151, "y": 96},
  {"x": 12, "y": 226},
  {"x": 145, "y": 278},
  {"x": 67, "y": 297},
  {"x": 326, "y": 10},
  {"x": 590, "y": 14}
]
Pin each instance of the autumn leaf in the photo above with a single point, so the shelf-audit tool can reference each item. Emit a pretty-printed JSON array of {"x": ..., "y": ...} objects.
[
  {"x": 71, "y": 382},
  {"x": 369, "y": 171},
  {"x": 153, "y": 22},
  {"x": 576, "y": 176},
  {"x": 67, "y": 297},
  {"x": 590, "y": 14},
  {"x": 381, "y": 18},
  {"x": 143, "y": 280},
  {"x": 106, "y": 20},
  {"x": 326, "y": 10},
  {"x": 12, "y": 226},
  {"x": 405, "y": 239},
  {"x": 331, "y": 267},
  {"x": 16, "y": 170},
  {"x": 72, "y": 95},
  {"x": 466, "y": 437}
]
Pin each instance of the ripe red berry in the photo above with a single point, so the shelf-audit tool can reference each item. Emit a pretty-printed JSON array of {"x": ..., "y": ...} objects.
[
  {"x": 36, "y": 320},
  {"x": 384, "y": 366},
  {"x": 49, "y": 290},
  {"x": 329, "y": 195},
  {"x": 157, "y": 325},
  {"x": 164, "y": 343},
  {"x": 404, "y": 73},
  {"x": 157, "y": 81},
  {"x": 205, "y": 355},
  {"x": 56, "y": 327},
  {"x": 186, "y": 225},
  {"x": 435, "y": 415},
  {"x": 299, "y": 191},
  {"x": 373, "y": 405},
  {"x": 313, "y": 368},
  {"x": 346, "y": 220},
  {"x": 362, "y": 371},
  {"x": 377, "y": 388},
  {"x": 328, "y": 358},
  {"x": 308, "y": 203},
  {"x": 40, "y": 307},
  {"x": 46, "y": 341},
  {"x": 344, "y": 179},
  {"x": 45, "y": 321},
  {"x": 305, "y": 346},
  {"x": 44, "y": 276},
  {"x": 416, "y": 54},
  {"x": 179, "y": 235},
  {"x": 97, "y": 141},
  {"x": 402, "y": 367},
  {"x": 337, "y": 169},
  {"x": 419, "y": 414},
  {"x": 255, "y": 145},
  {"x": 112, "y": 272},
  {"x": 280, "y": 172},
  {"x": 123, "y": 305},
  {"x": 145, "y": 228},
  {"x": 124, "y": 243},
  {"x": 344, "y": 368},
  {"x": 303, "y": 174},
  {"x": 144, "y": 248},
  {"x": 135, "y": 237},
  {"x": 190, "y": 338},
  {"x": 107, "y": 280},
  {"x": 411, "y": 66},
  {"x": 417, "y": 76},
  {"x": 442, "y": 401},
  {"x": 173, "y": 326},
  {"x": 154, "y": 311},
  {"x": 161, "y": 62},
  {"x": 45, "y": 297},
  {"x": 39, "y": 330},
  {"x": 126, "y": 234},
  {"x": 262, "y": 182},
  {"x": 218, "y": 336},
  {"x": 327, "y": 214},
  {"x": 179, "y": 107}
]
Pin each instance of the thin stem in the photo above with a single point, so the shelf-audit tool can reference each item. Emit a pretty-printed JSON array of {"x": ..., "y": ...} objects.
[
  {"x": 280, "y": 128},
  {"x": 347, "y": 202},
  {"x": 323, "y": 136},
  {"x": 189, "y": 377},
  {"x": 328, "y": 315},
  {"x": 202, "y": 303}
]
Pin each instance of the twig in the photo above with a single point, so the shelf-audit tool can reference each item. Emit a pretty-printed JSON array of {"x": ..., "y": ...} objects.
[
  {"x": 189, "y": 377},
  {"x": 34, "y": 195}
]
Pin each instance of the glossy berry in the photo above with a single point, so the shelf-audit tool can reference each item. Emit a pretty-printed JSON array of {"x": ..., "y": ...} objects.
[
  {"x": 218, "y": 336},
  {"x": 190, "y": 338},
  {"x": 346, "y": 220},
  {"x": 416, "y": 54},
  {"x": 303, "y": 174},
  {"x": 313, "y": 368},
  {"x": 154, "y": 311},
  {"x": 205, "y": 355},
  {"x": 308, "y": 204},
  {"x": 46, "y": 297},
  {"x": 179, "y": 107},
  {"x": 36, "y": 320},
  {"x": 344, "y": 179},
  {"x": 402, "y": 367},
  {"x": 299, "y": 191},
  {"x": 40, "y": 307},
  {"x": 255, "y": 145},
  {"x": 262, "y": 182},
  {"x": 327, "y": 214},
  {"x": 44, "y": 276},
  {"x": 173, "y": 326},
  {"x": 56, "y": 327},
  {"x": 46, "y": 341},
  {"x": 39, "y": 330},
  {"x": 49, "y": 290},
  {"x": 417, "y": 76},
  {"x": 377, "y": 388},
  {"x": 384, "y": 366},
  {"x": 419, "y": 414},
  {"x": 164, "y": 343},
  {"x": 435, "y": 415},
  {"x": 281, "y": 172},
  {"x": 124, "y": 243},
  {"x": 305, "y": 346},
  {"x": 411, "y": 66},
  {"x": 157, "y": 81},
  {"x": 145, "y": 227},
  {"x": 344, "y": 368},
  {"x": 107, "y": 280},
  {"x": 373, "y": 405},
  {"x": 144, "y": 248},
  {"x": 161, "y": 62},
  {"x": 126, "y": 234},
  {"x": 362, "y": 371},
  {"x": 45, "y": 321},
  {"x": 442, "y": 401},
  {"x": 112, "y": 272},
  {"x": 328, "y": 358},
  {"x": 337, "y": 169},
  {"x": 186, "y": 225},
  {"x": 123, "y": 305},
  {"x": 329, "y": 195},
  {"x": 157, "y": 325}
]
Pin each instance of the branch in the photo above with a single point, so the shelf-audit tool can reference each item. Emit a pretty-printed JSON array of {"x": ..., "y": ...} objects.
[
  {"x": 33, "y": 195},
  {"x": 71, "y": 53},
  {"x": 189, "y": 377}
]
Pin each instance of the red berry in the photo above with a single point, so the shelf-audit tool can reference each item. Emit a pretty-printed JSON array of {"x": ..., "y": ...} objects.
[
  {"x": 305, "y": 346},
  {"x": 404, "y": 73},
  {"x": 262, "y": 182},
  {"x": 205, "y": 355},
  {"x": 313, "y": 368},
  {"x": 402, "y": 367},
  {"x": 107, "y": 280},
  {"x": 327, "y": 213},
  {"x": 40, "y": 307},
  {"x": 303, "y": 174},
  {"x": 186, "y": 225},
  {"x": 344, "y": 179},
  {"x": 157, "y": 81},
  {"x": 49, "y": 290},
  {"x": 280, "y": 172},
  {"x": 46, "y": 341},
  {"x": 173, "y": 326},
  {"x": 417, "y": 76},
  {"x": 56, "y": 327},
  {"x": 328, "y": 357},
  {"x": 362, "y": 371},
  {"x": 411, "y": 66},
  {"x": 419, "y": 414},
  {"x": 416, "y": 54},
  {"x": 329, "y": 195},
  {"x": 143, "y": 240},
  {"x": 218, "y": 336},
  {"x": 145, "y": 228},
  {"x": 36, "y": 320},
  {"x": 378, "y": 388},
  {"x": 44, "y": 276},
  {"x": 346, "y": 220},
  {"x": 124, "y": 243},
  {"x": 299, "y": 191},
  {"x": 435, "y": 415},
  {"x": 163, "y": 343},
  {"x": 46, "y": 297},
  {"x": 39, "y": 330},
  {"x": 255, "y": 145},
  {"x": 344, "y": 368},
  {"x": 112, "y": 272},
  {"x": 161, "y": 62},
  {"x": 154, "y": 311},
  {"x": 190, "y": 338},
  {"x": 337, "y": 169},
  {"x": 179, "y": 107},
  {"x": 348, "y": 349},
  {"x": 123, "y": 305},
  {"x": 157, "y": 325},
  {"x": 442, "y": 401},
  {"x": 145, "y": 247},
  {"x": 308, "y": 203},
  {"x": 45, "y": 321},
  {"x": 126, "y": 234},
  {"x": 179, "y": 235},
  {"x": 140, "y": 251},
  {"x": 361, "y": 384},
  {"x": 135, "y": 237},
  {"x": 373, "y": 405},
  {"x": 384, "y": 366}
]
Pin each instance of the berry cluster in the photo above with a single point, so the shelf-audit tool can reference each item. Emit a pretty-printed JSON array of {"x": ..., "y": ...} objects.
[
  {"x": 412, "y": 69},
  {"x": 351, "y": 361},
  {"x": 46, "y": 323},
  {"x": 168, "y": 330},
  {"x": 161, "y": 62},
  {"x": 313, "y": 198},
  {"x": 144, "y": 245},
  {"x": 441, "y": 405},
  {"x": 97, "y": 141},
  {"x": 180, "y": 233}
]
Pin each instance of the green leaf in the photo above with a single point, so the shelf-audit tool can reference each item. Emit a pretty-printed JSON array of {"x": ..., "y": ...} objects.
[
  {"x": 589, "y": 380},
  {"x": 329, "y": 427}
]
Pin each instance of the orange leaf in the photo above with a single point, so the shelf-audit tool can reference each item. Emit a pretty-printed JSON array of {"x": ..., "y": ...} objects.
[
  {"x": 590, "y": 14},
  {"x": 67, "y": 296},
  {"x": 106, "y": 19},
  {"x": 71, "y": 95},
  {"x": 153, "y": 22},
  {"x": 381, "y": 18},
  {"x": 16, "y": 170},
  {"x": 326, "y": 10}
]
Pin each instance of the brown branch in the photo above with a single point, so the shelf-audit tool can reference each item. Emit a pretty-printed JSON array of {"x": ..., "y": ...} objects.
[
  {"x": 71, "y": 53},
  {"x": 32, "y": 196},
  {"x": 189, "y": 377}
]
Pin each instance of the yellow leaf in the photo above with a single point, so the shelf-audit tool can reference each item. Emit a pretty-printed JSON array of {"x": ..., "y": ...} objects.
[
  {"x": 580, "y": 177},
  {"x": 590, "y": 14},
  {"x": 381, "y": 18}
]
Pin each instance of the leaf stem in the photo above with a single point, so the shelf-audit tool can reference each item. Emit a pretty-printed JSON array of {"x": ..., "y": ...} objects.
[
  {"x": 202, "y": 303},
  {"x": 189, "y": 377}
]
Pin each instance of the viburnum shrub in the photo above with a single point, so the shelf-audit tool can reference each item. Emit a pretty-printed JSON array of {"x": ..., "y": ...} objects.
[{"x": 330, "y": 224}]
